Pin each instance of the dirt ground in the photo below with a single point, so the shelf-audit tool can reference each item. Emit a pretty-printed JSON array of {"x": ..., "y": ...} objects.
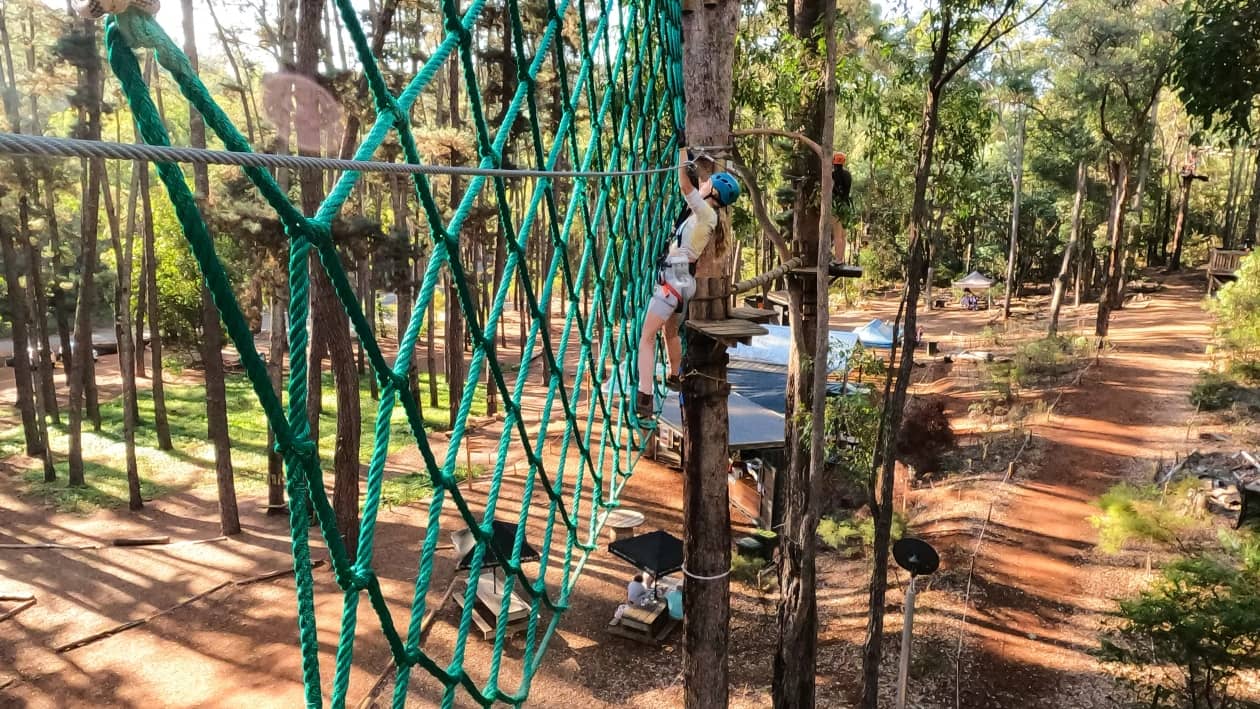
[{"x": 1012, "y": 628}]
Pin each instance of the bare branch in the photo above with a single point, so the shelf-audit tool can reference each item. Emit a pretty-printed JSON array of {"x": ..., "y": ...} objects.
[
  {"x": 991, "y": 35},
  {"x": 1102, "y": 119},
  {"x": 798, "y": 137},
  {"x": 759, "y": 208}
]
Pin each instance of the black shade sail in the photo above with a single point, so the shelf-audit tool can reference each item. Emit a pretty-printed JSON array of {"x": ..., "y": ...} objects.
[
  {"x": 503, "y": 538},
  {"x": 658, "y": 553}
]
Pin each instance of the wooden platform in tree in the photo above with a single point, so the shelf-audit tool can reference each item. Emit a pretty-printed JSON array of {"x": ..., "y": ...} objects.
[{"x": 730, "y": 330}]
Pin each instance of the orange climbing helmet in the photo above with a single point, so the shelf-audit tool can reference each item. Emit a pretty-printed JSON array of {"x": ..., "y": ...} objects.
[{"x": 838, "y": 159}]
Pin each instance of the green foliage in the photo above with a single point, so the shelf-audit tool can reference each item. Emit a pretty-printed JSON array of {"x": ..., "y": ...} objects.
[
  {"x": 1213, "y": 391},
  {"x": 190, "y": 466},
  {"x": 1193, "y": 630},
  {"x": 1141, "y": 513},
  {"x": 844, "y": 532},
  {"x": 1217, "y": 34},
  {"x": 852, "y": 427},
  {"x": 1048, "y": 358},
  {"x": 1237, "y": 311},
  {"x": 178, "y": 278},
  {"x": 748, "y": 571}
]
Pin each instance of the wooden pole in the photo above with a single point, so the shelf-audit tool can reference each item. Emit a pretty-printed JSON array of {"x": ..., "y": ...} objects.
[{"x": 708, "y": 57}]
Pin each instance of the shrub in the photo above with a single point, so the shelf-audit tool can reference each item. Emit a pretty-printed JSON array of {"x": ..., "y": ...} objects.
[
  {"x": 844, "y": 533},
  {"x": 1192, "y": 631},
  {"x": 1213, "y": 391},
  {"x": 1246, "y": 370},
  {"x": 1047, "y": 358},
  {"x": 838, "y": 533},
  {"x": 1132, "y": 512},
  {"x": 925, "y": 434},
  {"x": 747, "y": 570},
  {"x": 1237, "y": 310}
]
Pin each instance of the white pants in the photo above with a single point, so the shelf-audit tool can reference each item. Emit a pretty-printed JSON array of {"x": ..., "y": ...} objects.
[{"x": 675, "y": 289}]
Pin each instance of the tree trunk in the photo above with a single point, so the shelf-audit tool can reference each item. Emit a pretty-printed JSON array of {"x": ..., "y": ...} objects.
[
  {"x": 797, "y": 487},
  {"x": 431, "y": 364},
  {"x": 1060, "y": 281},
  {"x": 212, "y": 335},
  {"x": 275, "y": 373},
  {"x": 453, "y": 334},
  {"x": 884, "y": 464},
  {"x": 329, "y": 315},
  {"x": 1253, "y": 209},
  {"x": 126, "y": 349},
  {"x": 21, "y": 340},
  {"x": 36, "y": 338},
  {"x": 1017, "y": 185},
  {"x": 1179, "y": 231},
  {"x": 1110, "y": 298},
  {"x": 708, "y": 57},
  {"x": 1236, "y": 167},
  {"x": 60, "y": 307},
  {"x": 46, "y": 399},
  {"x": 156, "y": 386},
  {"x": 81, "y": 361}
]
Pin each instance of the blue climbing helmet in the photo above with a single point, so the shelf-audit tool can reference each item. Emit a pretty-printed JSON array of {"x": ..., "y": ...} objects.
[{"x": 725, "y": 188}]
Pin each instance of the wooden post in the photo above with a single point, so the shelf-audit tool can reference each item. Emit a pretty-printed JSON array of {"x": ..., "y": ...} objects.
[{"x": 708, "y": 58}]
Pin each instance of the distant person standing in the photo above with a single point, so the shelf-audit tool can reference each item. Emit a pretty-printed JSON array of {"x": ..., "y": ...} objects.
[{"x": 841, "y": 209}]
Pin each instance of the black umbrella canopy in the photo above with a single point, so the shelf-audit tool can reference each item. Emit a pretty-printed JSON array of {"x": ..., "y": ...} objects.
[
  {"x": 658, "y": 553},
  {"x": 503, "y": 537}
]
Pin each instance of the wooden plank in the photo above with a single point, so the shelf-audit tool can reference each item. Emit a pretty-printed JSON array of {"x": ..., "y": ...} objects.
[
  {"x": 140, "y": 541},
  {"x": 727, "y": 329},
  {"x": 756, "y": 315}
]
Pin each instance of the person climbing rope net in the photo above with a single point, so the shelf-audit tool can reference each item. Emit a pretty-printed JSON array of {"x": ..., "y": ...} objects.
[{"x": 676, "y": 283}]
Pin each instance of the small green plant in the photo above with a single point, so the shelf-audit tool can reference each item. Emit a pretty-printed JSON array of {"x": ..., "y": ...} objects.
[
  {"x": 838, "y": 533},
  {"x": 1246, "y": 370},
  {"x": 844, "y": 533},
  {"x": 748, "y": 571},
  {"x": 1142, "y": 513},
  {"x": 1189, "y": 634},
  {"x": 1213, "y": 391},
  {"x": 1047, "y": 358}
]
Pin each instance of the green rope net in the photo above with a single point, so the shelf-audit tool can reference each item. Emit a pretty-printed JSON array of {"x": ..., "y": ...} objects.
[{"x": 621, "y": 93}]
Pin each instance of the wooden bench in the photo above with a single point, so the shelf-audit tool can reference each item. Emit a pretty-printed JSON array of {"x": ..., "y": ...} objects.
[
  {"x": 487, "y": 603},
  {"x": 1222, "y": 267},
  {"x": 645, "y": 624}
]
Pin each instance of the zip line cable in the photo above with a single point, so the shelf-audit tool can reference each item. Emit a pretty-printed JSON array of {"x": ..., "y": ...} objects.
[{"x": 38, "y": 146}]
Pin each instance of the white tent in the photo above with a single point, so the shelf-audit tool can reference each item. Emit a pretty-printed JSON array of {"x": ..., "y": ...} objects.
[{"x": 977, "y": 281}]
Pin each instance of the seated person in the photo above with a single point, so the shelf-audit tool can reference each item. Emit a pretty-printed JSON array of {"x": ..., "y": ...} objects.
[
  {"x": 637, "y": 594},
  {"x": 674, "y": 599},
  {"x": 969, "y": 300}
]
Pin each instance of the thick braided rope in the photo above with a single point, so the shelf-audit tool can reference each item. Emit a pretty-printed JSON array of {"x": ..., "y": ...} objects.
[{"x": 628, "y": 89}]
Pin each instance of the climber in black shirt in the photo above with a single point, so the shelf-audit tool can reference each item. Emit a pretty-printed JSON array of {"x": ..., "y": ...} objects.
[{"x": 841, "y": 206}]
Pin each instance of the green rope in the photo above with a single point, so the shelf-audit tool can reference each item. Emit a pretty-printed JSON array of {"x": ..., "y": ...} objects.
[{"x": 620, "y": 111}]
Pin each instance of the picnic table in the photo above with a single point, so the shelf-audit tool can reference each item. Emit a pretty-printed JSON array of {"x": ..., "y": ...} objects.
[
  {"x": 650, "y": 623},
  {"x": 623, "y": 523}
]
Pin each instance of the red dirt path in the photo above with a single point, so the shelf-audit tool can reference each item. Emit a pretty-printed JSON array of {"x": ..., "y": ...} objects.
[{"x": 1038, "y": 586}]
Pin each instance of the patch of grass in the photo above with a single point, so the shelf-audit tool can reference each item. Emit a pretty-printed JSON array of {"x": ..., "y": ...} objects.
[
  {"x": 843, "y": 532},
  {"x": 747, "y": 570},
  {"x": 414, "y": 487},
  {"x": 1048, "y": 358},
  {"x": 190, "y": 465}
]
